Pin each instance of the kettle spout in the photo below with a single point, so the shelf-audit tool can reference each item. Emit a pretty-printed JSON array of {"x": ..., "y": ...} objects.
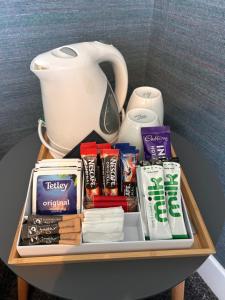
[{"x": 38, "y": 67}]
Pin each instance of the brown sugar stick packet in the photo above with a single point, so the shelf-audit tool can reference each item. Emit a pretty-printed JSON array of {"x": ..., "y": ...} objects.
[
  {"x": 68, "y": 230},
  {"x": 70, "y": 236},
  {"x": 70, "y": 242},
  {"x": 41, "y": 240},
  {"x": 71, "y": 223},
  {"x": 47, "y": 220},
  {"x": 66, "y": 239},
  {"x": 29, "y": 231}
]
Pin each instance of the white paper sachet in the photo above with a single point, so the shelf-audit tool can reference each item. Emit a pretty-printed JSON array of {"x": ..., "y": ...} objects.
[
  {"x": 173, "y": 198},
  {"x": 51, "y": 163},
  {"x": 96, "y": 237},
  {"x": 102, "y": 217},
  {"x": 102, "y": 227},
  {"x": 118, "y": 219},
  {"x": 104, "y": 212},
  {"x": 155, "y": 203},
  {"x": 142, "y": 203}
]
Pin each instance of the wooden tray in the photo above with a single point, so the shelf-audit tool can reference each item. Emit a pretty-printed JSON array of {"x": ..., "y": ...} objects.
[{"x": 203, "y": 245}]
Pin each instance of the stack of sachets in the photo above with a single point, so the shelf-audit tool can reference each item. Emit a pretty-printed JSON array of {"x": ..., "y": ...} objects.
[
  {"x": 57, "y": 187},
  {"x": 103, "y": 168},
  {"x": 56, "y": 204},
  {"x": 102, "y": 225},
  {"x": 160, "y": 200},
  {"x": 159, "y": 187},
  {"x": 47, "y": 230}
]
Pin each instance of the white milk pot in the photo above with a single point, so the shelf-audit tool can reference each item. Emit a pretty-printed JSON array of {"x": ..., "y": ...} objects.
[{"x": 77, "y": 97}]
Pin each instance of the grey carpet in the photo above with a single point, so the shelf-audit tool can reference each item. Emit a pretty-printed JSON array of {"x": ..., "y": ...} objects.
[{"x": 195, "y": 289}]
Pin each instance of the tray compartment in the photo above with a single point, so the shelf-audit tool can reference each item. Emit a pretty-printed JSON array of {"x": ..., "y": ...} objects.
[
  {"x": 202, "y": 245},
  {"x": 133, "y": 237}
]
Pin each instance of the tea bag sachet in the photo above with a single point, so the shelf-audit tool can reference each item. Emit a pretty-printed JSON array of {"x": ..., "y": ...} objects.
[
  {"x": 173, "y": 199},
  {"x": 56, "y": 191},
  {"x": 155, "y": 203}
]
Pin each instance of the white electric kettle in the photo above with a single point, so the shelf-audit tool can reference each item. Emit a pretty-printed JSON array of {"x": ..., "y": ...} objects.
[{"x": 77, "y": 97}]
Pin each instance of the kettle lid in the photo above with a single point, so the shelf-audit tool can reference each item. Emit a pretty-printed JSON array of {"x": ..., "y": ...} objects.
[
  {"x": 64, "y": 52},
  {"x": 59, "y": 58}
]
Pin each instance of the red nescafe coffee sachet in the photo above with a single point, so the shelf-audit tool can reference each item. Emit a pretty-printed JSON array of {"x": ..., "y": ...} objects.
[
  {"x": 110, "y": 161},
  {"x": 90, "y": 154},
  {"x": 101, "y": 164},
  {"x": 89, "y": 157}
]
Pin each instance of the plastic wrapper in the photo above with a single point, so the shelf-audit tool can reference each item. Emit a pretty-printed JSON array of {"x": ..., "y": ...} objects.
[
  {"x": 156, "y": 142},
  {"x": 128, "y": 204},
  {"x": 46, "y": 220},
  {"x": 155, "y": 203},
  {"x": 128, "y": 160},
  {"x": 31, "y": 230},
  {"x": 173, "y": 198},
  {"x": 52, "y": 239},
  {"x": 89, "y": 157},
  {"x": 110, "y": 161}
]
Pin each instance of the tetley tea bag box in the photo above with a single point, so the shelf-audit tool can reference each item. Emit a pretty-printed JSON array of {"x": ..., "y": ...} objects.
[{"x": 56, "y": 191}]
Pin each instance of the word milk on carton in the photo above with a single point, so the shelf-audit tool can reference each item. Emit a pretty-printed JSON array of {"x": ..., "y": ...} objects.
[
  {"x": 155, "y": 204},
  {"x": 173, "y": 199}
]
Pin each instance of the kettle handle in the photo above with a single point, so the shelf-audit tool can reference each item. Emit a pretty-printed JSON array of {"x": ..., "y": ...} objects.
[
  {"x": 103, "y": 52},
  {"x": 41, "y": 124}
]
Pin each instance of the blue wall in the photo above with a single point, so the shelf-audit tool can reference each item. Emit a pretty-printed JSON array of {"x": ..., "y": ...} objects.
[
  {"x": 177, "y": 46},
  {"x": 28, "y": 28},
  {"x": 186, "y": 61}
]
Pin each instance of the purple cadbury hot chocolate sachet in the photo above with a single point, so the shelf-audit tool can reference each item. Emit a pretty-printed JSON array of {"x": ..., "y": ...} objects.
[{"x": 156, "y": 142}]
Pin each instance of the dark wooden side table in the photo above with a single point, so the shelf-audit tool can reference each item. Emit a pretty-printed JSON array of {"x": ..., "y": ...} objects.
[{"x": 106, "y": 280}]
